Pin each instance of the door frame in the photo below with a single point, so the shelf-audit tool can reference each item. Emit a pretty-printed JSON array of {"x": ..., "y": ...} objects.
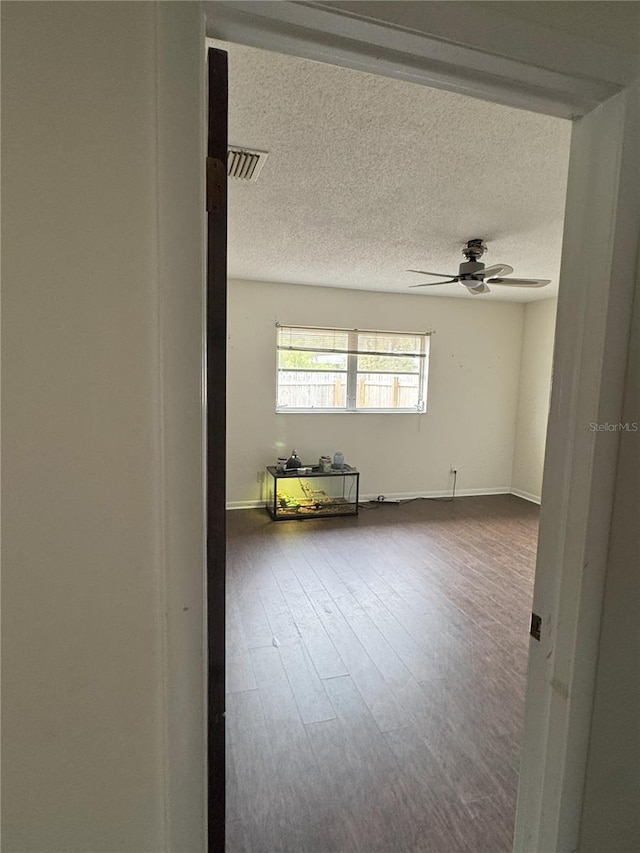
[
  {"x": 562, "y": 75},
  {"x": 216, "y": 432}
]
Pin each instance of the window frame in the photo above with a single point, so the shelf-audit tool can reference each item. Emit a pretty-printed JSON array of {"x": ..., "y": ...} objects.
[{"x": 351, "y": 390}]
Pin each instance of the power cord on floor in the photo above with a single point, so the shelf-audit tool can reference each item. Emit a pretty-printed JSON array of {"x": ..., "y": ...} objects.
[
  {"x": 376, "y": 502},
  {"x": 453, "y": 493}
]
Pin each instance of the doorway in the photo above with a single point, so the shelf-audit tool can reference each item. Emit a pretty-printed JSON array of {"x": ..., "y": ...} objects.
[
  {"x": 264, "y": 605},
  {"x": 571, "y": 506}
]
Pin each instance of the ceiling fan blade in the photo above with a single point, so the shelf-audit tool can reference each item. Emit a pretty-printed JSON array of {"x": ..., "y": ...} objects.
[
  {"x": 496, "y": 270},
  {"x": 440, "y": 274},
  {"x": 433, "y": 283},
  {"x": 520, "y": 282},
  {"x": 481, "y": 287}
]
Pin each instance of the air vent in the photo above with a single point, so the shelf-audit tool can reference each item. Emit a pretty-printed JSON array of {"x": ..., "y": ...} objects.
[{"x": 244, "y": 163}]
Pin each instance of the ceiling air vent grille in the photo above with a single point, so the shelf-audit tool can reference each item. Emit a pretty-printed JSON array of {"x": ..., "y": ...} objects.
[{"x": 244, "y": 163}]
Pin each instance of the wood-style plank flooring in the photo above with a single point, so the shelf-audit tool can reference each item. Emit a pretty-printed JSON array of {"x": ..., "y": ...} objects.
[{"x": 376, "y": 677}]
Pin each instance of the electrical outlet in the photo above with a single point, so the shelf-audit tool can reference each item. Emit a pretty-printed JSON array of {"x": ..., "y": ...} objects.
[
  {"x": 260, "y": 477},
  {"x": 453, "y": 469}
]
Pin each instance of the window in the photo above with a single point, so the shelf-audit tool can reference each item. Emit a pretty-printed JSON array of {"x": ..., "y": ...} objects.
[{"x": 350, "y": 370}]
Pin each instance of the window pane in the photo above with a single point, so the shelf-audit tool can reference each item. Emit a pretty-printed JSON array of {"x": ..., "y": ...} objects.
[
  {"x": 301, "y": 389},
  {"x": 387, "y": 391},
  {"x": 388, "y": 364}
]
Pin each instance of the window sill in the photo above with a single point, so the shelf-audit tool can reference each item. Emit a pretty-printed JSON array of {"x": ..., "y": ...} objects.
[{"x": 288, "y": 411}]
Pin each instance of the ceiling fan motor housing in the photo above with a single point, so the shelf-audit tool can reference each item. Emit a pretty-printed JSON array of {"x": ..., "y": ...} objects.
[{"x": 471, "y": 269}]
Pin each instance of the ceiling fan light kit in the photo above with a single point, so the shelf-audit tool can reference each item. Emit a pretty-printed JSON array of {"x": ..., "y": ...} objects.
[{"x": 473, "y": 274}]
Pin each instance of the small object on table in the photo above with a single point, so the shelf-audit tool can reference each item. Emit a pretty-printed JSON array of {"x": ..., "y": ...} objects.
[
  {"x": 324, "y": 464},
  {"x": 293, "y": 461}
]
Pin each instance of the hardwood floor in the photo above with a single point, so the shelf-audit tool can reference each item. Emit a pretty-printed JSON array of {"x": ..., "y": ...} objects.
[{"x": 376, "y": 673}]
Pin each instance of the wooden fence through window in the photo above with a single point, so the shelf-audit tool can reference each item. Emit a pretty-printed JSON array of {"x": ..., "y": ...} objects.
[{"x": 320, "y": 390}]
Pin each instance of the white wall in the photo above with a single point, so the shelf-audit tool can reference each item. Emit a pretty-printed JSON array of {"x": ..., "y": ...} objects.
[
  {"x": 534, "y": 398},
  {"x": 180, "y": 208},
  {"x": 102, "y": 509},
  {"x": 612, "y": 23},
  {"x": 473, "y": 388}
]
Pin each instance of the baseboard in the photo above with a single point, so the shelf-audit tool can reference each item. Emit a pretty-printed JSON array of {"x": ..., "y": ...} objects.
[
  {"x": 460, "y": 493},
  {"x": 401, "y": 496},
  {"x": 245, "y": 504},
  {"x": 535, "y": 499}
]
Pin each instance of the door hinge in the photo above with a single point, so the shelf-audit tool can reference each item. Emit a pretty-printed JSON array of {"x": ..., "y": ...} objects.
[
  {"x": 216, "y": 184},
  {"x": 536, "y": 625}
]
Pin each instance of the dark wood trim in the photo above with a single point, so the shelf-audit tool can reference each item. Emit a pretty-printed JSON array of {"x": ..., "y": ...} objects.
[{"x": 216, "y": 368}]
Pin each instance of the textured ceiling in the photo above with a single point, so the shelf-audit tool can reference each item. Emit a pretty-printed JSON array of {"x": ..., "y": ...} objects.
[{"x": 368, "y": 176}]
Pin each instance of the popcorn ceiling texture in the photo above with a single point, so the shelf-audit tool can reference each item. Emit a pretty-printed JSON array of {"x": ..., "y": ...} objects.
[{"x": 368, "y": 176}]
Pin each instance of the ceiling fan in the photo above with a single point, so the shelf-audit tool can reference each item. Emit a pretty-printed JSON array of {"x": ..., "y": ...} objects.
[{"x": 476, "y": 277}]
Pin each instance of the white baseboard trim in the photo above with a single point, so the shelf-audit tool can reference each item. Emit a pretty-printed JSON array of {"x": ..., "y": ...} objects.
[
  {"x": 245, "y": 504},
  {"x": 460, "y": 493},
  {"x": 400, "y": 496},
  {"x": 535, "y": 499}
]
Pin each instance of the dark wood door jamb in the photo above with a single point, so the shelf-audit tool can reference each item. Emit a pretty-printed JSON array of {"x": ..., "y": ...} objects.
[{"x": 216, "y": 367}]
